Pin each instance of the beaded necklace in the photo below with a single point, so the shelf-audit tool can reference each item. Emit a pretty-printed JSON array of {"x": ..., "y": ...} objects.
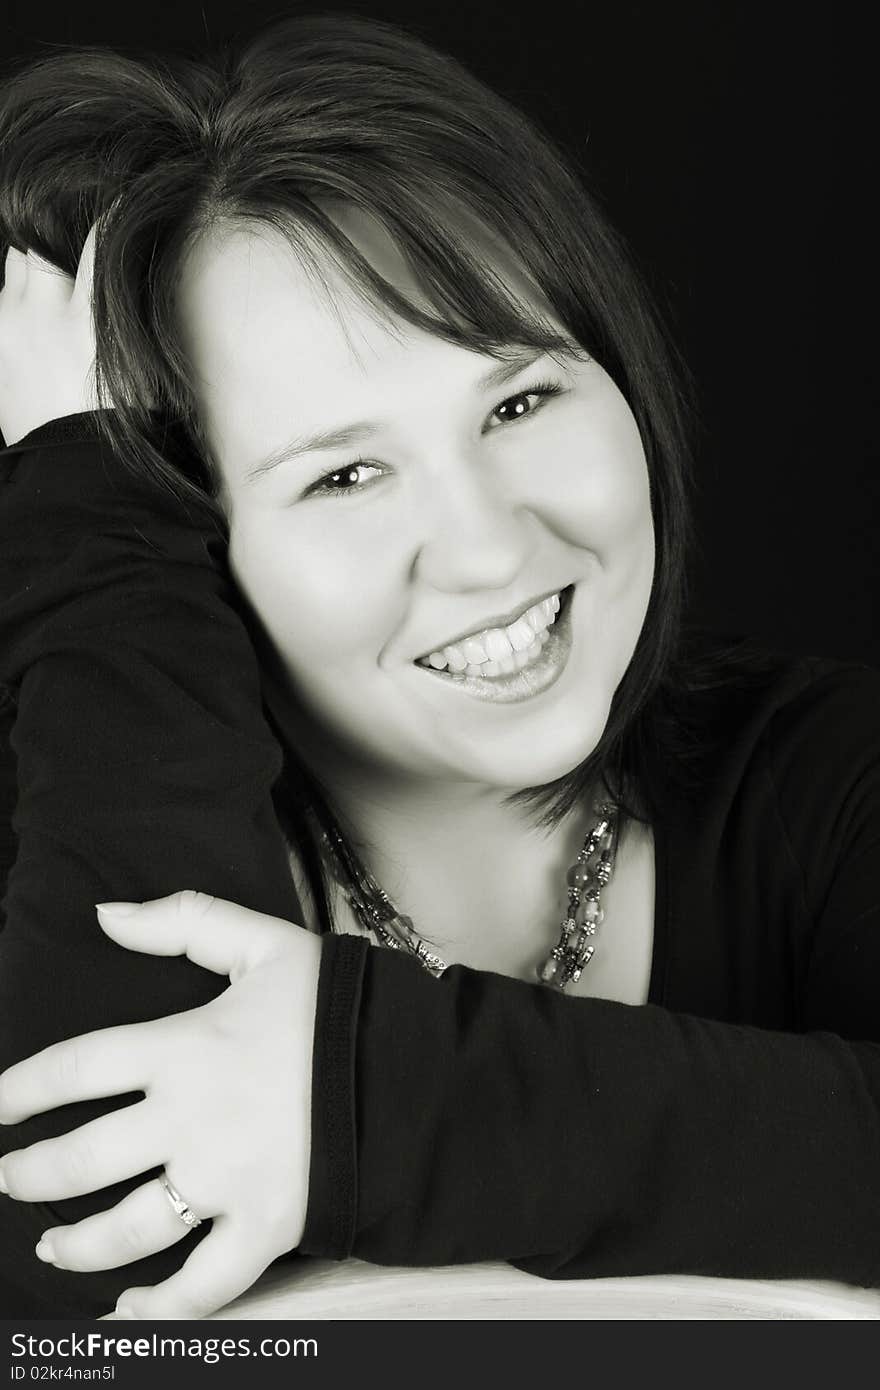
[{"x": 573, "y": 950}]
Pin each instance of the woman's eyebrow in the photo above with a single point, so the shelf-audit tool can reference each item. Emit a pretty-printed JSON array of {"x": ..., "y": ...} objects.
[{"x": 342, "y": 436}]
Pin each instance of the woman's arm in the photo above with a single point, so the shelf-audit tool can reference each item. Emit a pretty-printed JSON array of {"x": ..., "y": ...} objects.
[
  {"x": 586, "y": 1138},
  {"x": 144, "y": 764},
  {"x": 489, "y": 1118},
  {"x": 479, "y": 1117}
]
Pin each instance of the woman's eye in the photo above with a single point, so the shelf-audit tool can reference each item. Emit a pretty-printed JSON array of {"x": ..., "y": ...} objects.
[
  {"x": 344, "y": 482},
  {"x": 514, "y": 404}
]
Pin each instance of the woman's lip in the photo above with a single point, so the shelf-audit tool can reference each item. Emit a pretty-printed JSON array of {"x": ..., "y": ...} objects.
[
  {"x": 564, "y": 603},
  {"x": 488, "y": 623},
  {"x": 534, "y": 678}
]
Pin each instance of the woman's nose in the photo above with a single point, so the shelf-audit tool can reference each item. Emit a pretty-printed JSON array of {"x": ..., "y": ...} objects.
[{"x": 472, "y": 534}]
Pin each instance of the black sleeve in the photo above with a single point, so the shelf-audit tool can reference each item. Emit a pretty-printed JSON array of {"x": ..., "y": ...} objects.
[
  {"x": 144, "y": 765},
  {"x": 467, "y": 1118},
  {"x": 488, "y": 1118}
]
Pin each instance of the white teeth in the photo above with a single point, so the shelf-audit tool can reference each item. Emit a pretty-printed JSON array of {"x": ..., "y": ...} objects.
[
  {"x": 482, "y": 655},
  {"x": 503, "y": 666},
  {"x": 456, "y": 661},
  {"x": 474, "y": 651},
  {"x": 507, "y": 665},
  {"x": 496, "y": 644},
  {"x": 521, "y": 635}
]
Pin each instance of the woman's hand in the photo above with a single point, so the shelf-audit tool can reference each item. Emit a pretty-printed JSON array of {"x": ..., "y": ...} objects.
[
  {"x": 226, "y": 1110},
  {"x": 47, "y": 341}
]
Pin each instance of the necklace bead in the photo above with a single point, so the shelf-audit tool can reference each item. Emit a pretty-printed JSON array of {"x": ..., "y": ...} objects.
[{"x": 566, "y": 960}]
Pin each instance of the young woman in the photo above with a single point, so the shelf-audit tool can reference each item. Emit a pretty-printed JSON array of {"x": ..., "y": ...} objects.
[{"x": 349, "y": 643}]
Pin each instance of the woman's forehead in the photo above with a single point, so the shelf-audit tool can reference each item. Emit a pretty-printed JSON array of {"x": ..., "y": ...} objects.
[
  {"x": 248, "y": 306},
  {"x": 272, "y": 353},
  {"x": 246, "y": 294},
  {"x": 281, "y": 345}
]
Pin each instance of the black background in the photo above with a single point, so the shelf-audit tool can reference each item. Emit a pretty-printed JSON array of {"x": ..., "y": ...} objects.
[{"x": 734, "y": 147}]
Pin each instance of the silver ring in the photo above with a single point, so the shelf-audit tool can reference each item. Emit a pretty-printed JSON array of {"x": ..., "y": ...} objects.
[{"x": 185, "y": 1212}]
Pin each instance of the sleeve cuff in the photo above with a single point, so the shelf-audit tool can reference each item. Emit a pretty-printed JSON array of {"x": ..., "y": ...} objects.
[{"x": 332, "y": 1206}]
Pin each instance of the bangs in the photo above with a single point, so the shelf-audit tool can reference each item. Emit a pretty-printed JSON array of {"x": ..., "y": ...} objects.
[{"x": 461, "y": 295}]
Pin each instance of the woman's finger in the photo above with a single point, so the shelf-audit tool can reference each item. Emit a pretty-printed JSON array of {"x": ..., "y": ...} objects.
[
  {"x": 214, "y": 933},
  {"x": 108, "y": 1062},
  {"x": 222, "y": 1266},
  {"x": 107, "y": 1150},
  {"x": 143, "y": 1223}
]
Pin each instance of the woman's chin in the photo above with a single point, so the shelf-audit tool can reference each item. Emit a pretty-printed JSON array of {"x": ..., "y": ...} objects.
[{"x": 518, "y": 773}]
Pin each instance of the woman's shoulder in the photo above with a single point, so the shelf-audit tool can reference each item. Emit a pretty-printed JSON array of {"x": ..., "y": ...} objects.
[
  {"x": 823, "y": 741},
  {"x": 730, "y": 680},
  {"x": 811, "y": 722}
]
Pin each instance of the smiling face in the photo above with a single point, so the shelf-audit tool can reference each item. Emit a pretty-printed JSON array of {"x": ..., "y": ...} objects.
[{"x": 467, "y": 498}]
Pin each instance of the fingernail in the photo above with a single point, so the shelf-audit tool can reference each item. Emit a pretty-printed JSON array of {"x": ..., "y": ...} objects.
[
  {"x": 123, "y": 1311},
  {"x": 118, "y": 909},
  {"x": 45, "y": 1251}
]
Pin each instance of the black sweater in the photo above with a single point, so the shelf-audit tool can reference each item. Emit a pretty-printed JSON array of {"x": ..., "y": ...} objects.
[{"x": 731, "y": 1126}]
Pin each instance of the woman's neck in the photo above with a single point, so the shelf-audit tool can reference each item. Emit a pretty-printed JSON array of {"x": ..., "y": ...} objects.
[{"x": 479, "y": 879}]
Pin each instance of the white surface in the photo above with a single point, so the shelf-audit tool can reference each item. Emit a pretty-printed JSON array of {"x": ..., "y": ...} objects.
[{"x": 325, "y": 1289}]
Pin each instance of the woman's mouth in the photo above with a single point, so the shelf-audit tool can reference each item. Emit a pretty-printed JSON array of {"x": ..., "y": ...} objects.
[{"x": 510, "y": 664}]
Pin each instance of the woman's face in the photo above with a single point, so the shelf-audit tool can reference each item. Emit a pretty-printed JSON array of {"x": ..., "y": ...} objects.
[{"x": 438, "y": 503}]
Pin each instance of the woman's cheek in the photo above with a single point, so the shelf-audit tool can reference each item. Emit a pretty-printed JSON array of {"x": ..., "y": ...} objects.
[
  {"x": 261, "y": 560},
  {"x": 620, "y": 486},
  {"x": 310, "y": 592},
  {"x": 246, "y": 557}
]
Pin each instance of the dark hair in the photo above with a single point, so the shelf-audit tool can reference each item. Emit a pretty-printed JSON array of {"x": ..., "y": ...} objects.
[{"x": 163, "y": 148}]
